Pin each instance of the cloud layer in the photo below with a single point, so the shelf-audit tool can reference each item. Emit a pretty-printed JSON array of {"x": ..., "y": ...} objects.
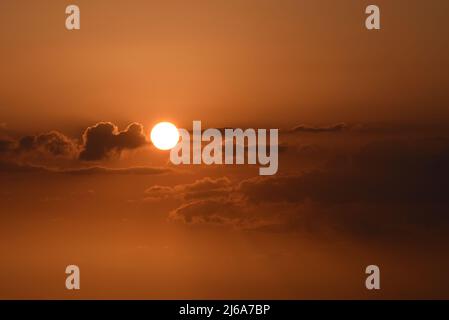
[
  {"x": 45, "y": 150},
  {"x": 391, "y": 186},
  {"x": 317, "y": 129},
  {"x": 52, "y": 143}
]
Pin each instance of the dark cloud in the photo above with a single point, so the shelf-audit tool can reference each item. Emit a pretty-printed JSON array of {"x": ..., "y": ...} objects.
[
  {"x": 386, "y": 171},
  {"x": 53, "y": 144},
  {"x": 26, "y": 143},
  {"x": 389, "y": 187},
  {"x": 56, "y": 143},
  {"x": 385, "y": 187},
  {"x": 54, "y": 152},
  {"x": 104, "y": 139},
  {"x": 7, "y": 146},
  {"x": 212, "y": 201},
  {"x": 99, "y": 142},
  {"x": 316, "y": 129}
]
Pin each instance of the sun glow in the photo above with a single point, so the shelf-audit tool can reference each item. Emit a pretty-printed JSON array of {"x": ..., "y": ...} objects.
[{"x": 164, "y": 135}]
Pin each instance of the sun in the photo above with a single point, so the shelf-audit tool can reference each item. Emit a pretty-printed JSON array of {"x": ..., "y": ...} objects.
[{"x": 164, "y": 135}]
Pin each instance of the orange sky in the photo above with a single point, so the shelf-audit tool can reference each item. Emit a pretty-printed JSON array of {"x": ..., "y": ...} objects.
[{"x": 310, "y": 61}]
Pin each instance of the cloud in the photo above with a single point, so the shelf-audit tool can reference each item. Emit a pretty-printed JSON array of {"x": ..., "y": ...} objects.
[
  {"x": 7, "y": 146},
  {"x": 53, "y": 152},
  {"x": 315, "y": 129},
  {"x": 390, "y": 171},
  {"x": 200, "y": 189},
  {"x": 116, "y": 171},
  {"x": 232, "y": 212},
  {"x": 53, "y": 144},
  {"x": 215, "y": 211},
  {"x": 385, "y": 187},
  {"x": 99, "y": 142},
  {"x": 215, "y": 201},
  {"x": 104, "y": 139},
  {"x": 14, "y": 167},
  {"x": 393, "y": 187}
]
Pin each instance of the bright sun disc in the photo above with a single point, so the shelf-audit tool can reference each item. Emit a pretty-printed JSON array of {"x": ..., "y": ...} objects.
[{"x": 164, "y": 135}]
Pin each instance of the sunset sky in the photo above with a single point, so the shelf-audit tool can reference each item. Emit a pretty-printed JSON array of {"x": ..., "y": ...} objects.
[{"x": 363, "y": 149}]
